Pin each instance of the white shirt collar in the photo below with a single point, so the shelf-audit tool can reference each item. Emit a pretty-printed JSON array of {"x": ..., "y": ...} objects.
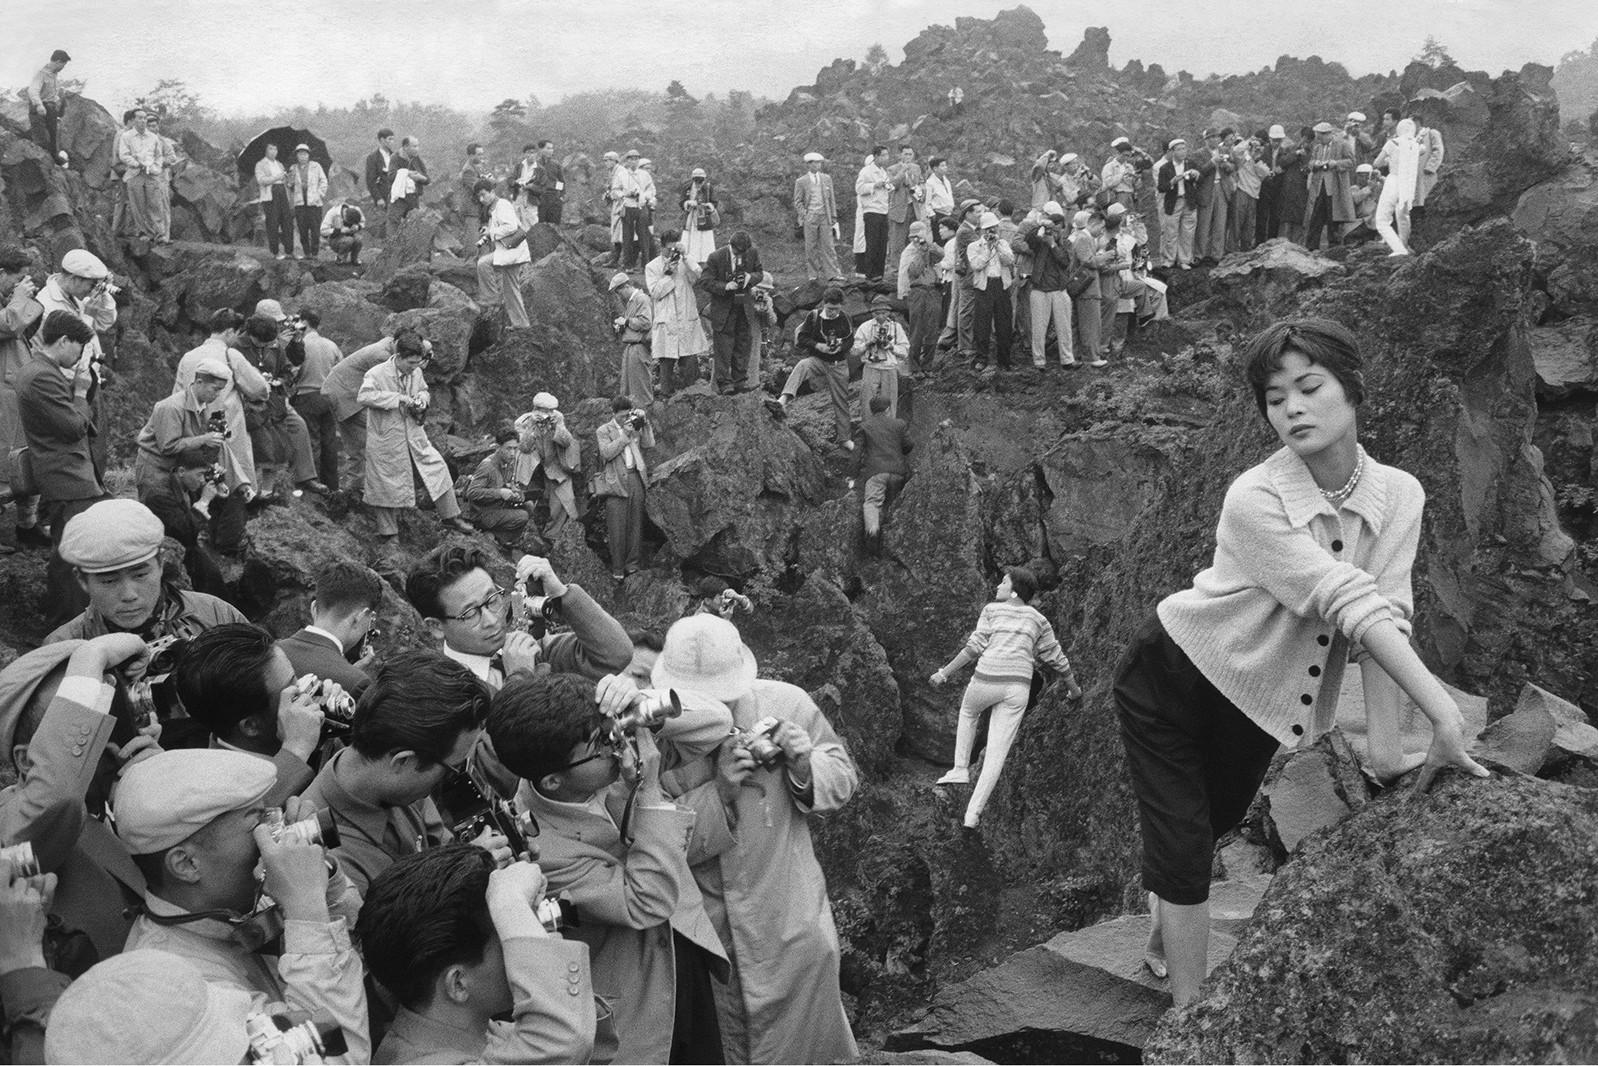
[
  {"x": 477, "y": 664},
  {"x": 319, "y": 631}
]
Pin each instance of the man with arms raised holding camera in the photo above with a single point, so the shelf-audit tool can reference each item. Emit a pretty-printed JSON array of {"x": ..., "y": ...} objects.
[
  {"x": 196, "y": 822},
  {"x": 823, "y": 340},
  {"x": 879, "y": 344},
  {"x": 751, "y": 851},
  {"x": 677, "y": 334},
  {"x": 623, "y": 480},
  {"x": 729, "y": 273},
  {"x": 474, "y": 951},
  {"x": 618, "y": 848}
]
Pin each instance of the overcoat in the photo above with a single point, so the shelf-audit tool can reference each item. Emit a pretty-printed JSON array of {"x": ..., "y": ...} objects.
[{"x": 395, "y": 441}]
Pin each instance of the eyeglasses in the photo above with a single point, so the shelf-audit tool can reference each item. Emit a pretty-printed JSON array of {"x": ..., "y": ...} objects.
[{"x": 473, "y": 614}]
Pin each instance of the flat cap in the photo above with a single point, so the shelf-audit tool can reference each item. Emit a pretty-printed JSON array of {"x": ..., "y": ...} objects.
[
  {"x": 169, "y": 797},
  {"x": 111, "y": 535},
  {"x": 84, "y": 264},
  {"x": 1082, "y": 220},
  {"x": 815, "y": 157},
  {"x": 1053, "y": 208},
  {"x": 545, "y": 401},
  {"x": 617, "y": 280},
  {"x": 148, "y": 1006},
  {"x": 1174, "y": 141},
  {"x": 302, "y": 148},
  {"x": 1069, "y": 157},
  {"x": 1325, "y": 127},
  {"x": 1120, "y": 142},
  {"x": 1356, "y": 116},
  {"x": 1364, "y": 168},
  {"x": 988, "y": 220},
  {"x": 212, "y": 367},
  {"x": 881, "y": 303},
  {"x": 1115, "y": 210},
  {"x": 271, "y": 309},
  {"x": 698, "y": 172},
  {"x": 633, "y": 153}
]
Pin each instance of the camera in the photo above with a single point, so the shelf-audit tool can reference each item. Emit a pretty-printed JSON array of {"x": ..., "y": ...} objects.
[
  {"x": 319, "y": 828},
  {"x": 468, "y": 811},
  {"x": 215, "y": 475},
  {"x": 138, "y": 703},
  {"x": 757, "y": 740},
  {"x": 538, "y": 612},
  {"x": 216, "y": 422},
  {"x": 675, "y": 255},
  {"x": 21, "y": 859},
  {"x": 338, "y": 706},
  {"x": 556, "y": 914},
  {"x": 649, "y": 711},
  {"x": 278, "y": 1038},
  {"x": 638, "y": 420}
]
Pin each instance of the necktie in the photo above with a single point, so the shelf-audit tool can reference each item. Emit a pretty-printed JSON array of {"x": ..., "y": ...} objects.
[{"x": 496, "y": 669}]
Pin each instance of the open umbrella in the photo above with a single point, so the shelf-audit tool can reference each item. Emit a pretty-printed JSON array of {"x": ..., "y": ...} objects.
[{"x": 286, "y": 138}]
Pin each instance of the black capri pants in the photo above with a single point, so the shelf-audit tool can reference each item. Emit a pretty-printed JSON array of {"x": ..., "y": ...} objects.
[{"x": 1196, "y": 762}]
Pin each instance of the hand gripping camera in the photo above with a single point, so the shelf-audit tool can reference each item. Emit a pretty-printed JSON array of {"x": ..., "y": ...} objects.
[
  {"x": 216, "y": 422},
  {"x": 338, "y": 706},
  {"x": 21, "y": 859},
  {"x": 139, "y": 701},
  {"x": 261, "y": 928},
  {"x": 649, "y": 711},
  {"x": 279, "y": 1038},
  {"x": 759, "y": 740},
  {"x": 469, "y": 810}
]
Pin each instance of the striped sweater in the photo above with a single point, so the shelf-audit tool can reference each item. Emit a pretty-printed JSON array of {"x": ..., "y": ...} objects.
[{"x": 1009, "y": 640}]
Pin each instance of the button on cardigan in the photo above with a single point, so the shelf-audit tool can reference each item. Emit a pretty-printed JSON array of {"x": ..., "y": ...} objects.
[{"x": 1295, "y": 583}]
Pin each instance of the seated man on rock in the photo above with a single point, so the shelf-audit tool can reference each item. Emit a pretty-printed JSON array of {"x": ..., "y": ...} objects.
[
  {"x": 114, "y": 546},
  {"x": 474, "y": 952},
  {"x": 496, "y": 500},
  {"x": 198, "y": 826},
  {"x": 236, "y": 682}
]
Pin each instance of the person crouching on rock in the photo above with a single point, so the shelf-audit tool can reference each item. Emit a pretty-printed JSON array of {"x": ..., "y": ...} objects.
[
  {"x": 1011, "y": 638},
  {"x": 1312, "y": 567}
]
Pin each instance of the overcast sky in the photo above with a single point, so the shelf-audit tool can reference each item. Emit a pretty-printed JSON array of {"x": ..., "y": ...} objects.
[{"x": 472, "y": 55}]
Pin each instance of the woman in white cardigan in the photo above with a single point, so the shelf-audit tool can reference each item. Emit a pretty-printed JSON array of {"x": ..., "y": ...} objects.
[
  {"x": 1312, "y": 564},
  {"x": 502, "y": 252}
]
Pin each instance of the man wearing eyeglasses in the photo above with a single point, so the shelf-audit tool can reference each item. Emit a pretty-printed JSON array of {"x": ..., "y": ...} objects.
[{"x": 415, "y": 726}]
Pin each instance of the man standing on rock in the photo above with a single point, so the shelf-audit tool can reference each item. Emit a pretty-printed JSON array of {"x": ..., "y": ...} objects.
[
  {"x": 622, "y": 484},
  {"x": 342, "y": 389},
  {"x": 396, "y": 401},
  {"x": 379, "y": 163},
  {"x": 905, "y": 201},
  {"x": 627, "y": 189},
  {"x": 817, "y": 207},
  {"x": 44, "y": 105},
  {"x": 1331, "y": 197},
  {"x": 410, "y": 177},
  {"x": 677, "y": 337},
  {"x": 547, "y": 186},
  {"x": 85, "y": 289},
  {"x": 1209, "y": 195},
  {"x": 20, "y": 314},
  {"x": 633, "y": 325},
  {"x": 547, "y": 446},
  {"x": 918, "y": 288},
  {"x": 1175, "y": 180},
  {"x": 320, "y": 356},
  {"x": 143, "y": 153},
  {"x": 609, "y": 164},
  {"x": 871, "y": 188},
  {"x": 501, "y": 257},
  {"x": 1118, "y": 179},
  {"x": 729, "y": 274}
]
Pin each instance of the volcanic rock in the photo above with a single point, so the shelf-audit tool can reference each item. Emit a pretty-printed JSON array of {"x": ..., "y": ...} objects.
[
  {"x": 350, "y": 317},
  {"x": 411, "y": 243}
]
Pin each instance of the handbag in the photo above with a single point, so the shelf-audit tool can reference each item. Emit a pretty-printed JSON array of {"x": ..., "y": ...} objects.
[
  {"x": 515, "y": 239},
  {"x": 709, "y": 216},
  {"x": 19, "y": 472},
  {"x": 1082, "y": 276}
]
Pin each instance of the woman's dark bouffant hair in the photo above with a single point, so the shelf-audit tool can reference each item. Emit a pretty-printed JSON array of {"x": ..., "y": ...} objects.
[
  {"x": 1023, "y": 582},
  {"x": 1320, "y": 340}
]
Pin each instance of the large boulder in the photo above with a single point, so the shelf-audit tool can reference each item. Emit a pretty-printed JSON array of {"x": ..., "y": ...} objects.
[
  {"x": 206, "y": 281},
  {"x": 411, "y": 242},
  {"x": 1269, "y": 276},
  {"x": 1566, "y": 356},
  {"x": 86, "y": 132},
  {"x": 350, "y": 318},
  {"x": 1456, "y": 927},
  {"x": 202, "y": 204},
  {"x": 451, "y": 334}
]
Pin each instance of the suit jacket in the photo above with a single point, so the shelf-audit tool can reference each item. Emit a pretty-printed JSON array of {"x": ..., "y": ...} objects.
[
  {"x": 378, "y": 176},
  {"x": 58, "y": 430},
  {"x": 312, "y": 653},
  {"x": 1202, "y": 191},
  {"x": 712, "y": 285},
  {"x": 1165, "y": 180},
  {"x": 485, "y": 485},
  {"x": 809, "y": 199},
  {"x": 613, "y": 480},
  {"x": 886, "y": 443},
  {"x": 906, "y": 178},
  {"x": 541, "y": 186}
]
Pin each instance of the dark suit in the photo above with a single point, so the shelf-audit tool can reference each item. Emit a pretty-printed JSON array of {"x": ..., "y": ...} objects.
[
  {"x": 378, "y": 176},
  {"x": 542, "y": 191},
  {"x": 171, "y": 504},
  {"x": 406, "y": 204},
  {"x": 729, "y": 313},
  {"x": 60, "y": 432},
  {"x": 312, "y": 653}
]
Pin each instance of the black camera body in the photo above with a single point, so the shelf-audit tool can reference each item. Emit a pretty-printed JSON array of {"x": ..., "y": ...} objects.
[
  {"x": 637, "y": 420},
  {"x": 469, "y": 811},
  {"x": 216, "y": 422}
]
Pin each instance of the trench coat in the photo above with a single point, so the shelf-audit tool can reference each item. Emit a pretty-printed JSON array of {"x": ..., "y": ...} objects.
[
  {"x": 677, "y": 330},
  {"x": 766, "y": 896},
  {"x": 17, "y": 316},
  {"x": 1336, "y": 182},
  {"x": 395, "y": 441},
  {"x": 238, "y": 454}
]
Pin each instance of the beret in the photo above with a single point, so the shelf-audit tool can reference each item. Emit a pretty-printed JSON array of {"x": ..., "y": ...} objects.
[
  {"x": 169, "y": 797},
  {"x": 111, "y": 535}
]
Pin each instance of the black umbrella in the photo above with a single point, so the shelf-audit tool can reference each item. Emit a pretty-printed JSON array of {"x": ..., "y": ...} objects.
[{"x": 287, "y": 138}]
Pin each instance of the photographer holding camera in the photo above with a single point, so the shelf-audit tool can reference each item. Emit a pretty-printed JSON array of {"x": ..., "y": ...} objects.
[
  {"x": 1331, "y": 196},
  {"x": 751, "y": 851},
  {"x": 633, "y": 326},
  {"x": 496, "y": 498},
  {"x": 618, "y": 848},
  {"x": 729, "y": 273},
  {"x": 194, "y": 823},
  {"x": 29, "y": 988},
  {"x": 823, "y": 341},
  {"x": 67, "y": 728},
  {"x": 182, "y": 501},
  {"x": 474, "y": 952},
  {"x": 879, "y": 344},
  {"x": 180, "y": 422},
  {"x": 623, "y": 481},
  {"x": 677, "y": 334},
  {"x": 549, "y": 449},
  {"x": 236, "y": 682}
]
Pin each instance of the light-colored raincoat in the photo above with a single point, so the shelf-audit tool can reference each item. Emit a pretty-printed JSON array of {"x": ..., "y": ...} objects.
[{"x": 395, "y": 441}]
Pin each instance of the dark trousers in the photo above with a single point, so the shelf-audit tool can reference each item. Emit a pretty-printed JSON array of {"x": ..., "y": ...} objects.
[
  {"x": 925, "y": 321},
  {"x": 309, "y": 222},
  {"x": 1320, "y": 217},
  {"x": 279, "y": 221},
  {"x": 677, "y": 374},
  {"x": 992, "y": 316},
  {"x": 504, "y": 522},
  {"x": 549, "y": 211},
  {"x": 696, "y": 1031},
  {"x": 731, "y": 343},
  {"x": 322, "y": 426},
  {"x": 64, "y": 598},
  {"x": 44, "y": 126},
  {"x": 624, "y": 525},
  {"x": 633, "y": 236},
  {"x": 228, "y": 519},
  {"x": 876, "y": 243}
]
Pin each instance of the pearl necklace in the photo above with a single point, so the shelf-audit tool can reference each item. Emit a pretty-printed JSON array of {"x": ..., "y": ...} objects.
[{"x": 1353, "y": 479}]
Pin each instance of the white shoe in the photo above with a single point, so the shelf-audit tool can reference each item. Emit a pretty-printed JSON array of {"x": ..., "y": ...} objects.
[{"x": 956, "y": 777}]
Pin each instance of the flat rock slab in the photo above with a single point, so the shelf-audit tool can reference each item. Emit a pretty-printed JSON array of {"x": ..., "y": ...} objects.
[{"x": 1083, "y": 996}]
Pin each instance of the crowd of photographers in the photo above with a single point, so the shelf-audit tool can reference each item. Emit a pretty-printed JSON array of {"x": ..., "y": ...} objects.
[{"x": 540, "y": 839}]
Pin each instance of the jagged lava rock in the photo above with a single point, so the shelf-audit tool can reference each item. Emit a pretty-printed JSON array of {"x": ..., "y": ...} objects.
[
  {"x": 1457, "y": 927},
  {"x": 412, "y": 243},
  {"x": 350, "y": 318}
]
